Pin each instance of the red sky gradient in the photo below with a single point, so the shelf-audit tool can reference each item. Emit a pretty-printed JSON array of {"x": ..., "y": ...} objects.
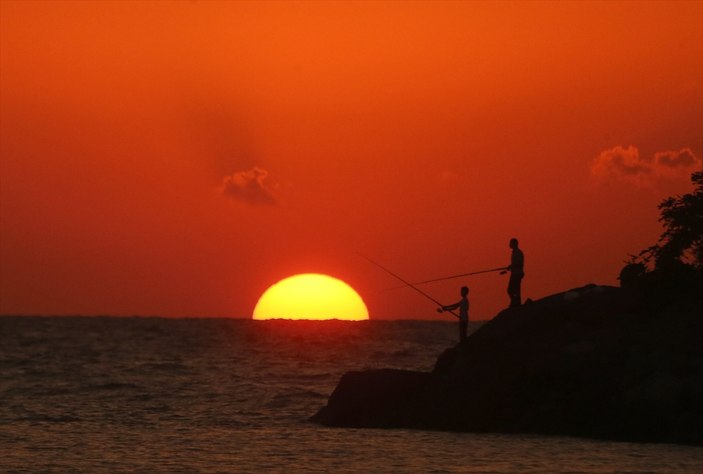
[{"x": 177, "y": 158}]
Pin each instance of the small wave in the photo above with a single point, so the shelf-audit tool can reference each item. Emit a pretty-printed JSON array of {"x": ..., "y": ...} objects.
[
  {"x": 284, "y": 399},
  {"x": 402, "y": 353},
  {"x": 42, "y": 418},
  {"x": 113, "y": 386},
  {"x": 51, "y": 391},
  {"x": 163, "y": 366},
  {"x": 229, "y": 423},
  {"x": 316, "y": 376},
  {"x": 144, "y": 397},
  {"x": 311, "y": 394},
  {"x": 293, "y": 395},
  {"x": 385, "y": 354},
  {"x": 158, "y": 409}
]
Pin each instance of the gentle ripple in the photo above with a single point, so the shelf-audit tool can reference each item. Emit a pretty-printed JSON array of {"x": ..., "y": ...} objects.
[{"x": 213, "y": 395}]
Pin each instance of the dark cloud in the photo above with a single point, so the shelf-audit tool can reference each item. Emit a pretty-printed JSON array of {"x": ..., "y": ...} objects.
[
  {"x": 626, "y": 164},
  {"x": 250, "y": 187},
  {"x": 677, "y": 160}
]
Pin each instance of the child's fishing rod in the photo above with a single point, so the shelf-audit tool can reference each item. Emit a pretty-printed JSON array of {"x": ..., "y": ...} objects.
[{"x": 408, "y": 284}]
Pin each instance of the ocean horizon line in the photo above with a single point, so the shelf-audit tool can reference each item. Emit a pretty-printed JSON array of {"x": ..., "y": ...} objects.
[{"x": 236, "y": 318}]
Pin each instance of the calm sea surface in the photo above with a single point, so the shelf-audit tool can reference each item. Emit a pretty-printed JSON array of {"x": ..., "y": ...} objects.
[{"x": 214, "y": 395}]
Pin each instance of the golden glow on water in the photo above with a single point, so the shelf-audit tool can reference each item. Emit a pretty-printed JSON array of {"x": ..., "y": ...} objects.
[{"x": 311, "y": 296}]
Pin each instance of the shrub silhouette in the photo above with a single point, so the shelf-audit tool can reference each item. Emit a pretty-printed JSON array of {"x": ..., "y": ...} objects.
[
  {"x": 682, "y": 238},
  {"x": 677, "y": 257}
]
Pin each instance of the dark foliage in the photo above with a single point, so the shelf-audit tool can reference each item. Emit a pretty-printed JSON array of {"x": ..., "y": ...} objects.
[
  {"x": 631, "y": 274},
  {"x": 682, "y": 239},
  {"x": 677, "y": 257}
]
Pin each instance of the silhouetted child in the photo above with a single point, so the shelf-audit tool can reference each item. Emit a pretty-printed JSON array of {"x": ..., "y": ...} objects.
[
  {"x": 463, "y": 305},
  {"x": 517, "y": 272}
]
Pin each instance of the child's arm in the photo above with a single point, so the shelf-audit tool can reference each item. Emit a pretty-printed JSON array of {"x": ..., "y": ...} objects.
[{"x": 451, "y": 306}]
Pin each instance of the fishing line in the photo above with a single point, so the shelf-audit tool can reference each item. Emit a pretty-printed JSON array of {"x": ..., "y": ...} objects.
[
  {"x": 408, "y": 284},
  {"x": 450, "y": 277}
]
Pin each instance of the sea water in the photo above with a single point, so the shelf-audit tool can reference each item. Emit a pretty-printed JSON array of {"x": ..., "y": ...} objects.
[{"x": 216, "y": 395}]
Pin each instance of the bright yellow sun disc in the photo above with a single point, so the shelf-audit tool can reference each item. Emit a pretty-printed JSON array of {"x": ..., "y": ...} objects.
[{"x": 311, "y": 296}]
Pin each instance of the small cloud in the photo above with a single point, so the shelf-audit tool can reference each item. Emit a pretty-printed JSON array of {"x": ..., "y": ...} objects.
[
  {"x": 622, "y": 164},
  {"x": 250, "y": 187},
  {"x": 626, "y": 164},
  {"x": 677, "y": 163}
]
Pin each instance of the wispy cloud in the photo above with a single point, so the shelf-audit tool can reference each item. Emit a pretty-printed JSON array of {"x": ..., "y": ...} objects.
[
  {"x": 677, "y": 163},
  {"x": 250, "y": 187},
  {"x": 626, "y": 164}
]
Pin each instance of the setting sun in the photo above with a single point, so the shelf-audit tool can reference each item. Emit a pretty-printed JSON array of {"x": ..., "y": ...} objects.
[{"x": 311, "y": 296}]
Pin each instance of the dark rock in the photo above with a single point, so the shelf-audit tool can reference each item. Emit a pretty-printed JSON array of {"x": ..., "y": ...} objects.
[
  {"x": 373, "y": 398},
  {"x": 586, "y": 362}
]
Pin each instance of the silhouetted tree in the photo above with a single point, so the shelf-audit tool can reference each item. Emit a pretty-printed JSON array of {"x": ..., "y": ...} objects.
[
  {"x": 682, "y": 240},
  {"x": 677, "y": 257},
  {"x": 632, "y": 273}
]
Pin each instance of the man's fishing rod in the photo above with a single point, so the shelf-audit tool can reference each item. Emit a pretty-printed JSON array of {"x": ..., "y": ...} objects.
[
  {"x": 450, "y": 277},
  {"x": 407, "y": 284}
]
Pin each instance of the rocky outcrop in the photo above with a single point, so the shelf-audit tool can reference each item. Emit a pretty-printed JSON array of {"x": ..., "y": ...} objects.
[
  {"x": 373, "y": 398},
  {"x": 594, "y": 361}
]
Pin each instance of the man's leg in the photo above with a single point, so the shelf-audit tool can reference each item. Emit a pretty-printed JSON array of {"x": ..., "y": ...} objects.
[
  {"x": 518, "y": 291},
  {"x": 510, "y": 290},
  {"x": 514, "y": 289}
]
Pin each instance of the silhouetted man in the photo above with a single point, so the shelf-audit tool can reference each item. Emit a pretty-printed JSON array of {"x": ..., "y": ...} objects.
[
  {"x": 463, "y": 305},
  {"x": 517, "y": 272}
]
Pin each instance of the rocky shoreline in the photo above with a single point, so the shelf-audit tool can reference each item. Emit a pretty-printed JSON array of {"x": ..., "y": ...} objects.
[{"x": 595, "y": 361}]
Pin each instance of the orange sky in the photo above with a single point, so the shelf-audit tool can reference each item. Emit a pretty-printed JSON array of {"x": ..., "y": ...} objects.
[{"x": 177, "y": 158}]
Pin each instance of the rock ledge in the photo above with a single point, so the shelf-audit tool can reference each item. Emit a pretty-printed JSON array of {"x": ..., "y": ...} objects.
[{"x": 593, "y": 361}]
